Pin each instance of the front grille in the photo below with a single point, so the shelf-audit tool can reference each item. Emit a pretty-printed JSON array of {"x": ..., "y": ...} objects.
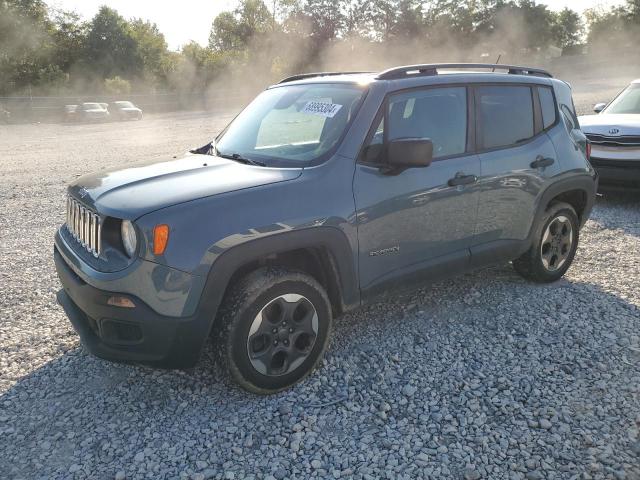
[
  {"x": 85, "y": 226},
  {"x": 607, "y": 141}
]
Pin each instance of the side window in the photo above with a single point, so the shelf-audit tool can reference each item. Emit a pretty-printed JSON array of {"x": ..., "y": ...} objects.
[
  {"x": 505, "y": 114},
  {"x": 570, "y": 119},
  {"x": 439, "y": 114},
  {"x": 548, "y": 106}
]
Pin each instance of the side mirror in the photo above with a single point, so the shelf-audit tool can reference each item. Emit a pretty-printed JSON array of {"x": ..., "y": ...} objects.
[
  {"x": 410, "y": 152},
  {"x": 598, "y": 107}
]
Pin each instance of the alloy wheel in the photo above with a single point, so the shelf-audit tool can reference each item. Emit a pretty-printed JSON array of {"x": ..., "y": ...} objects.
[
  {"x": 282, "y": 335},
  {"x": 557, "y": 242}
]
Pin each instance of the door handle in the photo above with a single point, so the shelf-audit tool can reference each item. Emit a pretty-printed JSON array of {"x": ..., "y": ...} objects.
[
  {"x": 462, "y": 179},
  {"x": 542, "y": 162}
]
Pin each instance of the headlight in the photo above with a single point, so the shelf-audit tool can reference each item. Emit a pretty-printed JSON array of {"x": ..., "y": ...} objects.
[{"x": 129, "y": 238}]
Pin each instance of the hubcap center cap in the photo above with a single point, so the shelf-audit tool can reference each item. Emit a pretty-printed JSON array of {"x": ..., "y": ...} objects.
[{"x": 283, "y": 334}]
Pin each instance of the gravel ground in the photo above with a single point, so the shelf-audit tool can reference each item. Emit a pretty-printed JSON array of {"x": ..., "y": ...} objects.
[{"x": 484, "y": 376}]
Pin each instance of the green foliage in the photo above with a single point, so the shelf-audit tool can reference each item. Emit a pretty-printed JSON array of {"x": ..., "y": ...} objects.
[
  {"x": 568, "y": 29},
  {"x": 26, "y": 54},
  {"x": 111, "y": 48},
  {"x": 236, "y": 30},
  {"x": 117, "y": 85},
  {"x": 45, "y": 50}
]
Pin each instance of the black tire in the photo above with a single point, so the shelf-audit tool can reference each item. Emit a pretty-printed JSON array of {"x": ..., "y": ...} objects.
[
  {"x": 531, "y": 265},
  {"x": 262, "y": 292}
]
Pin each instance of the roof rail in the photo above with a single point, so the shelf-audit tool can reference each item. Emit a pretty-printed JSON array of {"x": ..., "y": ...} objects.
[
  {"x": 302, "y": 76},
  {"x": 432, "y": 69}
]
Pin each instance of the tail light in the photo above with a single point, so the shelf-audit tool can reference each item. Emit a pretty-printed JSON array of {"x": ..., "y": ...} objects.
[{"x": 588, "y": 152}]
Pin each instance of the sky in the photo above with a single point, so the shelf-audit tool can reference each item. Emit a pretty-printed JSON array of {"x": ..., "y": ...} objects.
[{"x": 185, "y": 20}]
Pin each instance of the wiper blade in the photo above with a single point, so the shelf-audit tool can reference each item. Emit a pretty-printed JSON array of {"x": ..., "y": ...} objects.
[{"x": 239, "y": 158}]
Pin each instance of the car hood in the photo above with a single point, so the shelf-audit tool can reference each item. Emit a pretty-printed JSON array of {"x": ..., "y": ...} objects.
[
  {"x": 139, "y": 189},
  {"x": 601, "y": 124}
]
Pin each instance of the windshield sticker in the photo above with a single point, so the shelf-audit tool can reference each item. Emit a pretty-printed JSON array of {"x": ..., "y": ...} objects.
[{"x": 323, "y": 109}]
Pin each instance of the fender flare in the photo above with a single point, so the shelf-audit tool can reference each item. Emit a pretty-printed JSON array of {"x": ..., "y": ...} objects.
[
  {"x": 586, "y": 182},
  {"x": 332, "y": 239}
]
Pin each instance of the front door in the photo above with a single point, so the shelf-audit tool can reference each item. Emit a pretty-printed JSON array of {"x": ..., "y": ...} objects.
[{"x": 422, "y": 220}]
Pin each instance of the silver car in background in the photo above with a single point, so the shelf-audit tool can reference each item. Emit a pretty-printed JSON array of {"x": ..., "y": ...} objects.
[
  {"x": 614, "y": 135},
  {"x": 92, "y": 112},
  {"x": 125, "y": 110}
]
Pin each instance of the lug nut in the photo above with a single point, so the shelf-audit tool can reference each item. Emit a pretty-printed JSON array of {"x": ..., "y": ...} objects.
[
  {"x": 275, "y": 330},
  {"x": 291, "y": 330},
  {"x": 286, "y": 342},
  {"x": 275, "y": 342}
]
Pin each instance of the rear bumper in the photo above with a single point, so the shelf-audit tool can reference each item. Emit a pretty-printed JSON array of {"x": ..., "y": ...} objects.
[
  {"x": 624, "y": 173},
  {"x": 137, "y": 335}
]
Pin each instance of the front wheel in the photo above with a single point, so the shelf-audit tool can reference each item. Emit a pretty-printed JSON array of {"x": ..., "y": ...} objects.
[
  {"x": 554, "y": 245},
  {"x": 273, "y": 329}
]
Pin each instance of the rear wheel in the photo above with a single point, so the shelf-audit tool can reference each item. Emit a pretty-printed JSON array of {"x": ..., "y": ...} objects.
[
  {"x": 554, "y": 245},
  {"x": 274, "y": 328}
]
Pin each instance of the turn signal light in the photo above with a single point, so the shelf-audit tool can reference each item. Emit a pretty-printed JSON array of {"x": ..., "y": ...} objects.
[
  {"x": 160, "y": 239},
  {"x": 122, "y": 302},
  {"x": 588, "y": 150}
]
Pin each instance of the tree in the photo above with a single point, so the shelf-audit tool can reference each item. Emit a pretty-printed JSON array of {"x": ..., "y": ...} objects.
[
  {"x": 70, "y": 37},
  {"x": 325, "y": 18},
  {"x": 606, "y": 25},
  {"x": 568, "y": 28},
  {"x": 225, "y": 33},
  {"x": 111, "y": 49},
  {"x": 117, "y": 85},
  {"x": 26, "y": 51},
  {"x": 236, "y": 30},
  {"x": 150, "y": 47},
  {"x": 633, "y": 9}
]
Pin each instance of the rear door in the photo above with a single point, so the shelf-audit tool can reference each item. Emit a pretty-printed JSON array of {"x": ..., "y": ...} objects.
[
  {"x": 517, "y": 158},
  {"x": 416, "y": 222}
]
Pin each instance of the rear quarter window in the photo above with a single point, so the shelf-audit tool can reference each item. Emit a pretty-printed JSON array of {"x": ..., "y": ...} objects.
[
  {"x": 547, "y": 106},
  {"x": 570, "y": 119},
  {"x": 505, "y": 115}
]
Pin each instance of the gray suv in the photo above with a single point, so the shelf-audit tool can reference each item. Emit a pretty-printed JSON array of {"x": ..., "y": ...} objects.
[{"x": 327, "y": 192}]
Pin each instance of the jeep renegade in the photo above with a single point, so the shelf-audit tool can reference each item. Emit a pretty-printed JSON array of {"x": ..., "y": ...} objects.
[{"x": 328, "y": 191}]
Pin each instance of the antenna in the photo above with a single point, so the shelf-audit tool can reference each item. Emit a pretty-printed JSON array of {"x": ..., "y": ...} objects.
[{"x": 497, "y": 62}]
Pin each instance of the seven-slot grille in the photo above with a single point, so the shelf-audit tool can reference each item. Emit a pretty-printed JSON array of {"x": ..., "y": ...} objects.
[{"x": 85, "y": 226}]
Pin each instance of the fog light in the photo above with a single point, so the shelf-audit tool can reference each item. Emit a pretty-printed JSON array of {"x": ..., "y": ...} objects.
[{"x": 122, "y": 302}]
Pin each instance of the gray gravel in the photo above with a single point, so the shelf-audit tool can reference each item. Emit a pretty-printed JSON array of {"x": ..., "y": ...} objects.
[{"x": 483, "y": 376}]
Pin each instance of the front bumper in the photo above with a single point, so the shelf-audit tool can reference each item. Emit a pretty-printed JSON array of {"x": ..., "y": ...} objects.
[
  {"x": 623, "y": 173},
  {"x": 137, "y": 335}
]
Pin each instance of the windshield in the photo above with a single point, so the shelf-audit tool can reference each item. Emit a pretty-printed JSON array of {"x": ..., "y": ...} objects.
[
  {"x": 91, "y": 106},
  {"x": 627, "y": 102},
  {"x": 124, "y": 104},
  {"x": 292, "y": 125}
]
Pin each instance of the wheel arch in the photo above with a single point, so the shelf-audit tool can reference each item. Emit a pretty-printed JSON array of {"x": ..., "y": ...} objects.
[
  {"x": 578, "y": 191},
  {"x": 322, "y": 252}
]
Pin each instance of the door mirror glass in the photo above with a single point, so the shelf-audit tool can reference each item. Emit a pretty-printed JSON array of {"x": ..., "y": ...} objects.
[
  {"x": 598, "y": 107},
  {"x": 410, "y": 152}
]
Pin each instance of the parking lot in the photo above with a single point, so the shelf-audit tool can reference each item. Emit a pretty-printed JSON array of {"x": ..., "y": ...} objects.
[{"x": 482, "y": 376}]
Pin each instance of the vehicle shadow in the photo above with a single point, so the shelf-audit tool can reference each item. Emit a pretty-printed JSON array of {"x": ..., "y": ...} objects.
[{"x": 567, "y": 346}]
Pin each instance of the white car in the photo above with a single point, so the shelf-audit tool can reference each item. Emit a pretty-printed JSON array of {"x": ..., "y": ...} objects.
[
  {"x": 614, "y": 134},
  {"x": 93, "y": 112},
  {"x": 125, "y": 110}
]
